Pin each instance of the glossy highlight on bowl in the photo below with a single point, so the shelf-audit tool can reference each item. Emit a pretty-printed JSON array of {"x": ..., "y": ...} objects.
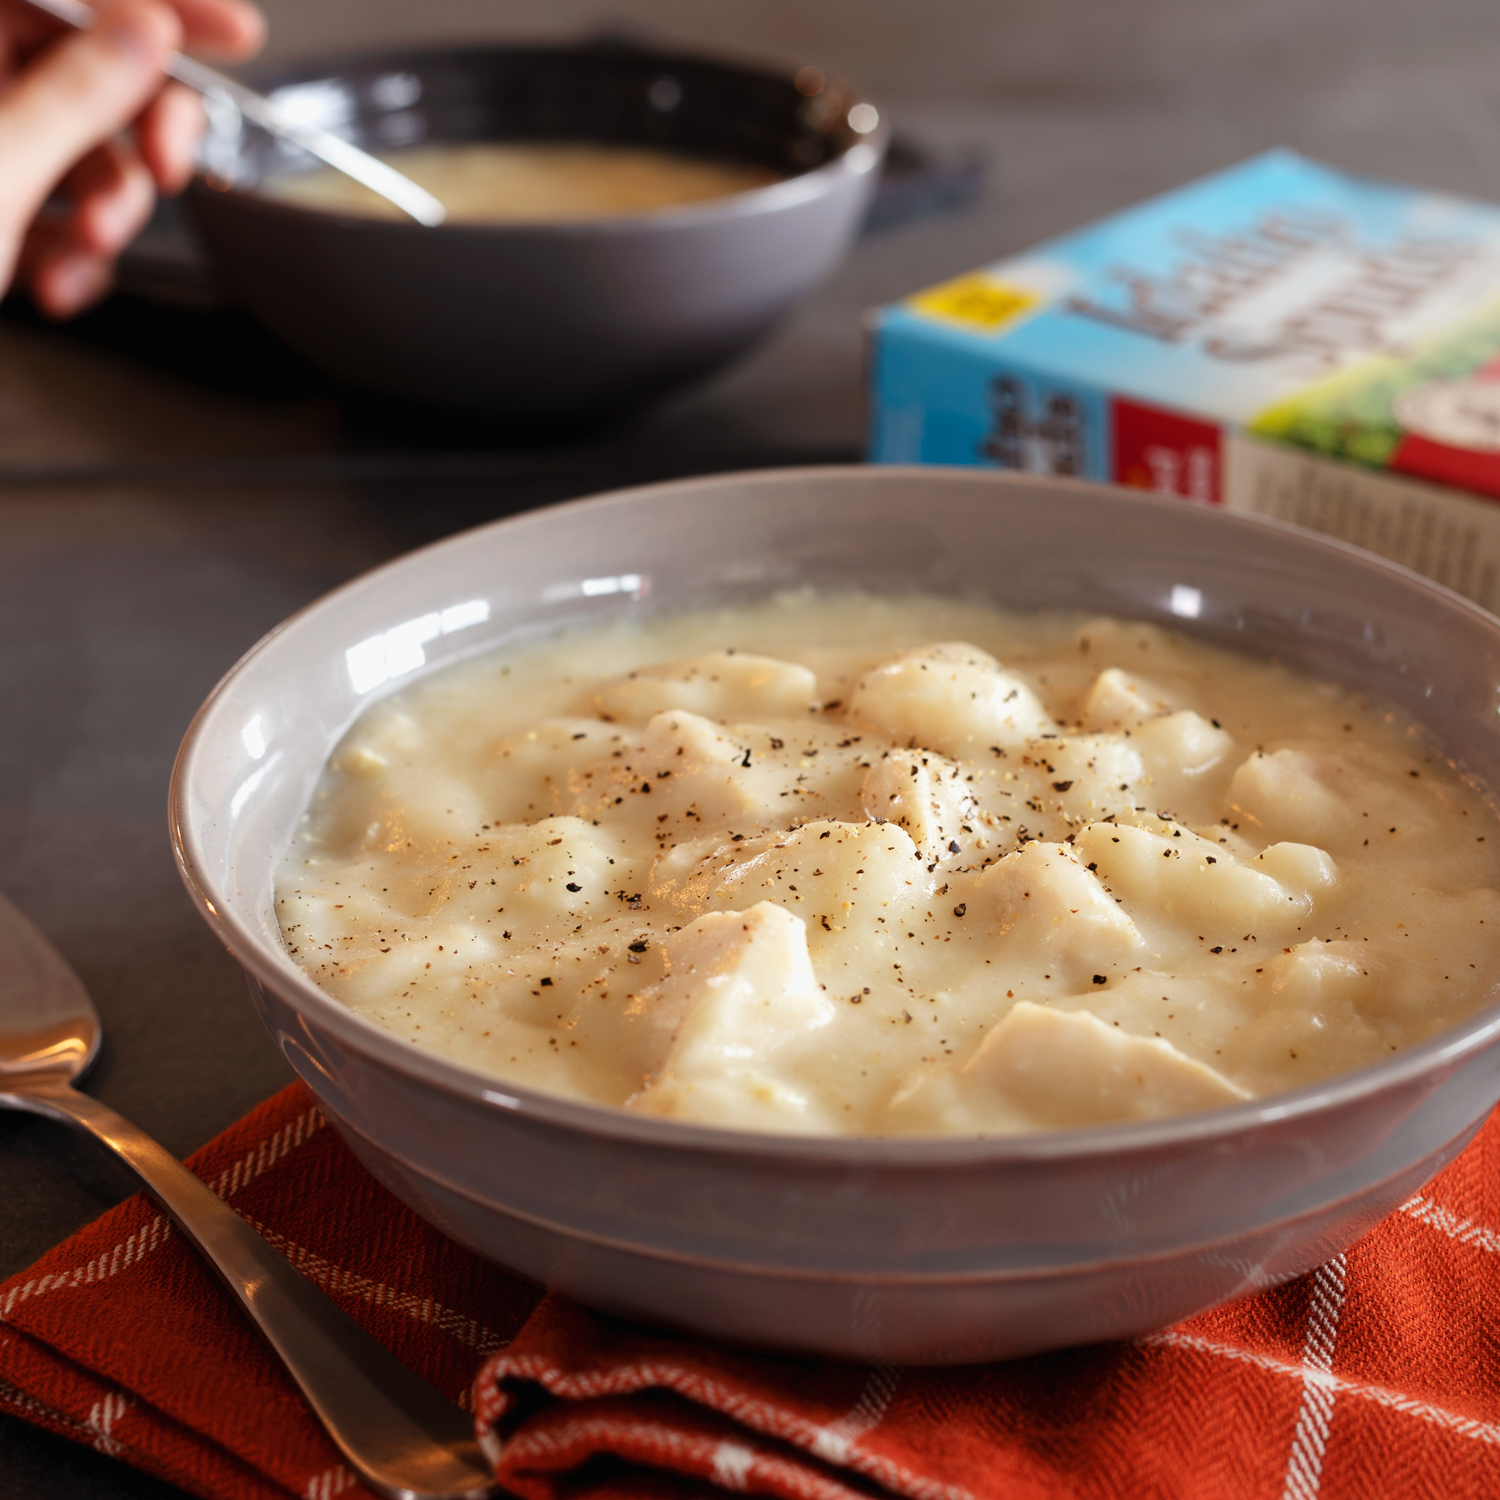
[{"x": 930, "y": 1250}]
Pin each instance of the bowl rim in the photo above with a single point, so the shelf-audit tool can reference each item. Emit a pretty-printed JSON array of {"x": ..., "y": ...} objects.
[
  {"x": 276, "y": 971},
  {"x": 855, "y": 159}
]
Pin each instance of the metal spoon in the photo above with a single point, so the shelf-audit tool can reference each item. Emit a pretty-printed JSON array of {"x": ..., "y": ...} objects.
[
  {"x": 399, "y": 1435},
  {"x": 324, "y": 144}
]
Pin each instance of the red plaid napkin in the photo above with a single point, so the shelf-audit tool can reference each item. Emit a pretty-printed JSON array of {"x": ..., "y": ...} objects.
[{"x": 1378, "y": 1374}]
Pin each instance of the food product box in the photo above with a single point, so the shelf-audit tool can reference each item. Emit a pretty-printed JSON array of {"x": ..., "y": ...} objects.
[{"x": 1280, "y": 338}]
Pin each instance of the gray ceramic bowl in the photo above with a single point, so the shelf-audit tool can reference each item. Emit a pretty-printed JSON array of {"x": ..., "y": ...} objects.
[
  {"x": 906, "y": 1250},
  {"x": 542, "y": 320}
]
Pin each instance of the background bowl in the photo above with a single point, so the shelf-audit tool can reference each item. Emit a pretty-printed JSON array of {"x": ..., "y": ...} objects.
[
  {"x": 566, "y": 319},
  {"x": 906, "y": 1250}
]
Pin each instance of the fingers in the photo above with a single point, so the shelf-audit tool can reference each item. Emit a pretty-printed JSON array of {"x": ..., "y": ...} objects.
[
  {"x": 63, "y": 276},
  {"x": 168, "y": 130},
  {"x": 81, "y": 90},
  {"x": 68, "y": 261},
  {"x": 62, "y": 94},
  {"x": 86, "y": 83},
  {"x": 167, "y": 135},
  {"x": 112, "y": 194},
  {"x": 223, "y": 28}
]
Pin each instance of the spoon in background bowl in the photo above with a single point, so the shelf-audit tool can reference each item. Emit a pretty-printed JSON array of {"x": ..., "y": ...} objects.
[
  {"x": 400, "y": 1436},
  {"x": 340, "y": 154}
]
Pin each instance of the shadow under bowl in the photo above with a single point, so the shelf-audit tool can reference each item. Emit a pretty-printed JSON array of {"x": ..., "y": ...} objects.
[
  {"x": 908, "y": 1250},
  {"x": 572, "y": 320}
]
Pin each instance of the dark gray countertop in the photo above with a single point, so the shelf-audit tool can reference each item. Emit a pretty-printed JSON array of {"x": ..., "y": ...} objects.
[{"x": 198, "y": 516}]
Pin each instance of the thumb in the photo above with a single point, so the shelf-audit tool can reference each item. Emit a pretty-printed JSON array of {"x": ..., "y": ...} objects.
[{"x": 82, "y": 90}]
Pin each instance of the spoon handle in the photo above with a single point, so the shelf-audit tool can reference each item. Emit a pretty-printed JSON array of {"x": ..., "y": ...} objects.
[{"x": 401, "y": 1437}]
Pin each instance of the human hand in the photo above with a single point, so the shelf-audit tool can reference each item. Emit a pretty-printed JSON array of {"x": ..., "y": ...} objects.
[{"x": 88, "y": 116}]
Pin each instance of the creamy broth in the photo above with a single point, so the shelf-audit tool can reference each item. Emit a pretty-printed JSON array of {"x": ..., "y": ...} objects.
[
  {"x": 845, "y": 865},
  {"x": 493, "y": 183}
]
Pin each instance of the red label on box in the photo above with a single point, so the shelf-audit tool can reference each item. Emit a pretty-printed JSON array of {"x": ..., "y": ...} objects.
[
  {"x": 1166, "y": 452},
  {"x": 1465, "y": 468}
]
